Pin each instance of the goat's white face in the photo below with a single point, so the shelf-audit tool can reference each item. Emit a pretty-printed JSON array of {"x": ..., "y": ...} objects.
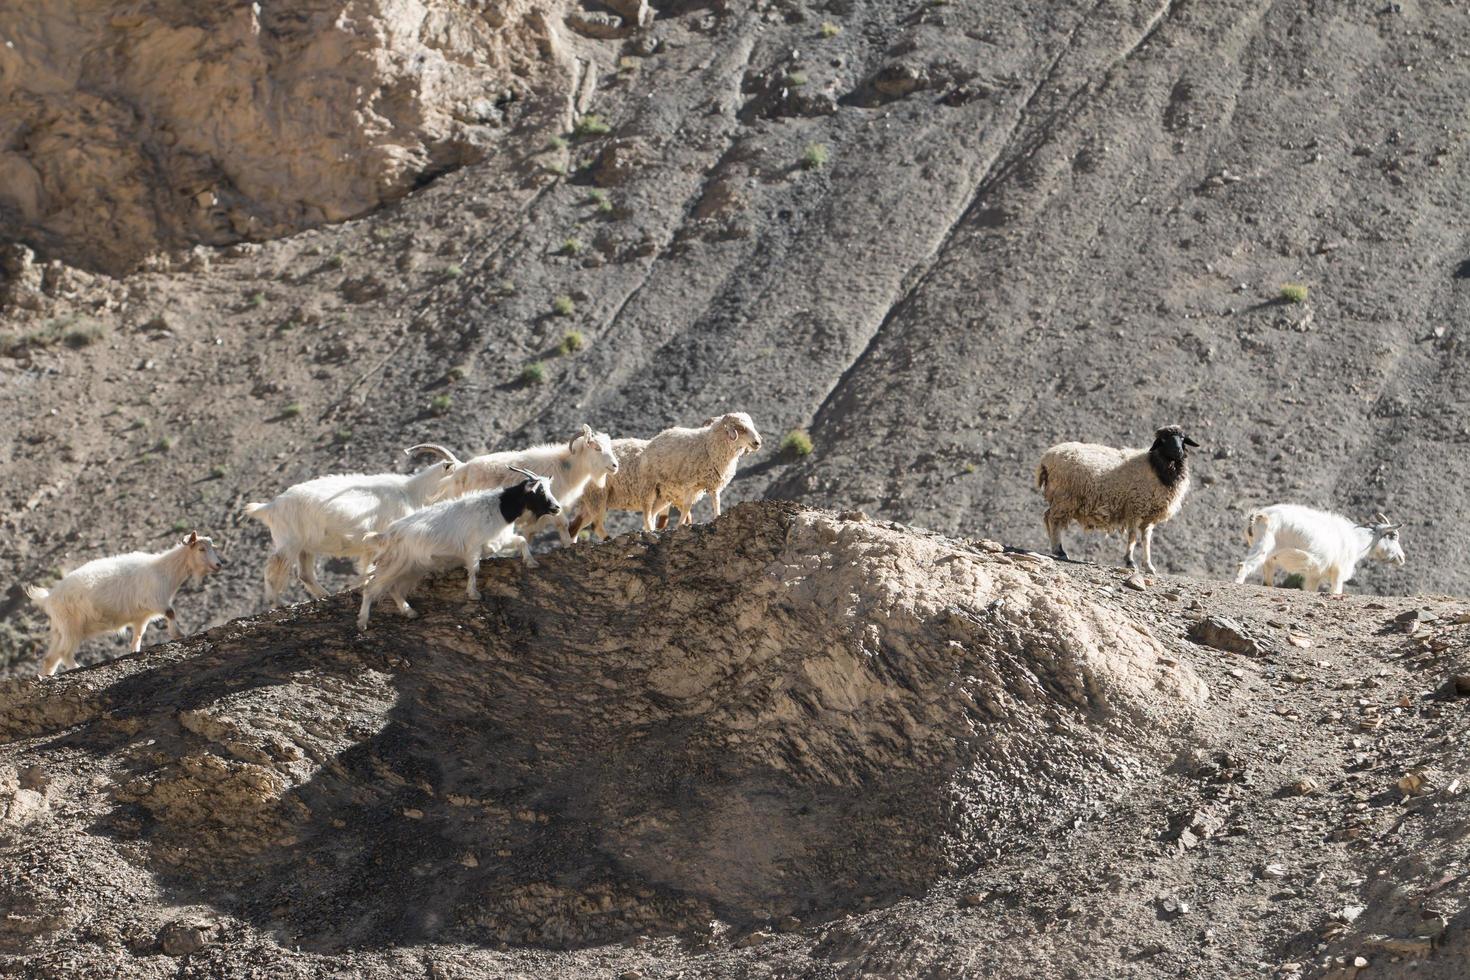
[
  {"x": 1386, "y": 546},
  {"x": 739, "y": 428},
  {"x": 203, "y": 559},
  {"x": 603, "y": 462}
]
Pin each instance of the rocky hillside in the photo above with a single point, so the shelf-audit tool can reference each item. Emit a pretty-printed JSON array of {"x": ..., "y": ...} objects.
[
  {"x": 939, "y": 237},
  {"x": 788, "y": 743}
]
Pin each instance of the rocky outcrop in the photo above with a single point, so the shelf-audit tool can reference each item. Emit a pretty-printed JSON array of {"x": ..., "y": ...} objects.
[
  {"x": 781, "y": 712},
  {"x": 126, "y": 128}
]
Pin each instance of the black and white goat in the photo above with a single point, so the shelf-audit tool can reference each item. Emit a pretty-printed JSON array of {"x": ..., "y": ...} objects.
[{"x": 460, "y": 529}]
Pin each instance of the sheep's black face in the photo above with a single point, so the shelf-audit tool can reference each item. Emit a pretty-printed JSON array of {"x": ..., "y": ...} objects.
[{"x": 1171, "y": 443}]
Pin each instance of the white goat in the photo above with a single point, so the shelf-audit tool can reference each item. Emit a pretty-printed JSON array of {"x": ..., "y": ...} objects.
[
  {"x": 674, "y": 468},
  {"x": 331, "y": 514},
  {"x": 461, "y": 529},
  {"x": 1316, "y": 544},
  {"x": 109, "y": 594},
  {"x": 587, "y": 460}
]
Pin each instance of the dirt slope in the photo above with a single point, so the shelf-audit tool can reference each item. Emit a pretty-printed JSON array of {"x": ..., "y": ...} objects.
[
  {"x": 1062, "y": 221},
  {"x": 786, "y": 743}
]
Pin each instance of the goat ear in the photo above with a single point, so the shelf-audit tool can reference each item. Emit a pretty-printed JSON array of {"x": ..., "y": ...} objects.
[
  {"x": 711, "y": 420},
  {"x": 1190, "y": 442},
  {"x": 192, "y": 539},
  {"x": 587, "y": 431}
]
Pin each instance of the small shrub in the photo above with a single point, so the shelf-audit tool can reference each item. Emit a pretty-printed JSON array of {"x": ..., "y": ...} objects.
[
  {"x": 563, "y": 306},
  {"x": 597, "y": 196},
  {"x": 507, "y": 288},
  {"x": 217, "y": 472},
  {"x": 830, "y": 29},
  {"x": 573, "y": 246},
  {"x": 73, "y": 331},
  {"x": 814, "y": 156},
  {"x": 571, "y": 343},
  {"x": 291, "y": 411},
  {"x": 382, "y": 232},
  {"x": 591, "y": 125},
  {"x": 334, "y": 262},
  {"x": 164, "y": 444},
  {"x": 440, "y": 404},
  {"x": 178, "y": 527},
  {"x": 797, "y": 79},
  {"x": 604, "y": 206},
  {"x": 971, "y": 468},
  {"x": 533, "y": 373},
  {"x": 84, "y": 335},
  {"x": 1294, "y": 581},
  {"x": 255, "y": 300},
  {"x": 1293, "y": 292},
  {"x": 560, "y": 169},
  {"x": 557, "y": 143},
  {"x": 342, "y": 435},
  {"x": 796, "y": 443},
  {"x": 453, "y": 271},
  {"x": 458, "y": 372}
]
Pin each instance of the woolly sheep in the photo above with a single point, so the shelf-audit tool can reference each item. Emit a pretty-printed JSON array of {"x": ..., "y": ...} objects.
[
  {"x": 1107, "y": 489},
  {"x": 1316, "y": 544},
  {"x": 462, "y": 528},
  {"x": 674, "y": 468},
  {"x": 587, "y": 460},
  {"x": 110, "y": 594},
  {"x": 330, "y": 514}
]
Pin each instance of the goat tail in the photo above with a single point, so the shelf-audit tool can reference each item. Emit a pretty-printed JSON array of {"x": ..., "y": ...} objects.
[
  {"x": 256, "y": 510},
  {"x": 1255, "y": 518},
  {"x": 37, "y": 594}
]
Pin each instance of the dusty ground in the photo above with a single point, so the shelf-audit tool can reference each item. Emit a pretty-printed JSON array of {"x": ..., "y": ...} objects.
[{"x": 785, "y": 744}]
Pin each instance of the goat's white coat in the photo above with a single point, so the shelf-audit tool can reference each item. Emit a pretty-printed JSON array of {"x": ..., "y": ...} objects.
[
  {"x": 1318, "y": 545},
  {"x": 330, "y": 516},
  {"x": 461, "y": 529},
  {"x": 109, "y": 594},
  {"x": 587, "y": 460}
]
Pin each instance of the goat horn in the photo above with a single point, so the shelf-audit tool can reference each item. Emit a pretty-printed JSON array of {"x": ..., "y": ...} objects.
[
  {"x": 431, "y": 447},
  {"x": 1381, "y": 517},
  {"x": 527, "y": 473}
]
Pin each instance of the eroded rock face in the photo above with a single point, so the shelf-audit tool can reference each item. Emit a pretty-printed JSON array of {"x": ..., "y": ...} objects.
[
  {"x": 125, "y": 128},
  {"x": 778, "y": 713}
]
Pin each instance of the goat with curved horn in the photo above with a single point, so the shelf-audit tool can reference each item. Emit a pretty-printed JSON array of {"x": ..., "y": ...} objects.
[{"x": 434, "y": 448}]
